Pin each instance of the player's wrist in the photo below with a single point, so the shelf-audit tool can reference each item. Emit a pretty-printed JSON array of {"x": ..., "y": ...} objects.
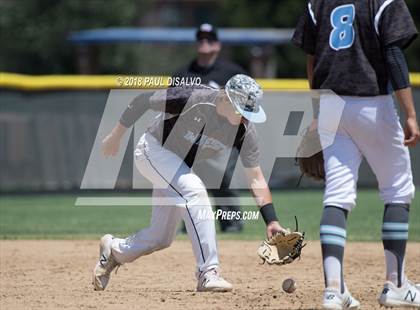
[
  {"x": 118, "y": 131},
  {"x": 412, "y": 115},
  {"x": 268, "y": 213}
]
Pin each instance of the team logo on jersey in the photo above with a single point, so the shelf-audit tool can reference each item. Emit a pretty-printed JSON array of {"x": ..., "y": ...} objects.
[{"x": 204, "y": 141}]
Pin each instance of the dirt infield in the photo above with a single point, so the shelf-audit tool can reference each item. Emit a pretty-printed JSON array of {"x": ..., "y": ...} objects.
[{"x": 57, "y": 275}]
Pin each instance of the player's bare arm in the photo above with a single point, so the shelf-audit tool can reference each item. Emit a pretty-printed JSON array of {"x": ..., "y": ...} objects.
[
  {"x": 310, "y": 60},
  {"x": 111, "y": 143},
  {"x": 399, "y": 77},
  {"x": 411, "y": 127},
  {"x": 258, "y": 185},
  {"x": 282, "y": 246},
  {"x": 262, "y": 194}
]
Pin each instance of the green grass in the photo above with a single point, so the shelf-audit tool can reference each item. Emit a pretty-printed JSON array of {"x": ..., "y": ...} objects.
[{"x": 56, "y": 217}]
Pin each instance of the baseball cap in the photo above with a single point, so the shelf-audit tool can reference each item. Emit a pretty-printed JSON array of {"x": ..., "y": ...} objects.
[
  {"x": 206, "y": 31},
  {"x": 246, "y": 95}
]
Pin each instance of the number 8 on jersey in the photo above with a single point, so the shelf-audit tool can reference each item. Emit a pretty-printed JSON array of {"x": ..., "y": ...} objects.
[{"x": 342, "y": 35}]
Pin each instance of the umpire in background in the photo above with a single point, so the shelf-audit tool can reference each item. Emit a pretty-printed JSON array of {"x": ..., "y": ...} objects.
[{"x": 215, "y": 72}]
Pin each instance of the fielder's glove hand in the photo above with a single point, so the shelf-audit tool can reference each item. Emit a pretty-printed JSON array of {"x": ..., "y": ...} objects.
[
  {"x": 282, "y": 248},
  {"x": 309, "y": 156}
]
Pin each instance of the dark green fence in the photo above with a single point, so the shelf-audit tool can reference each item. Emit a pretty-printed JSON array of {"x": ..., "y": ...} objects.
[{"x": 46, "y": 139}]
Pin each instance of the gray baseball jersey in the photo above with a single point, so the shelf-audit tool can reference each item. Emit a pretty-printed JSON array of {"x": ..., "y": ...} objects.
[{"x": 189, "y": 122}]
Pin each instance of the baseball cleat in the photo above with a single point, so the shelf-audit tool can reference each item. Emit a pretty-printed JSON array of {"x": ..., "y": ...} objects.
[
  {"x": 105, "y": 265},
  {"x": 333, "y": 300},
  {"x": 211, "y": 281},
  {"x": 408, "y": 295}
]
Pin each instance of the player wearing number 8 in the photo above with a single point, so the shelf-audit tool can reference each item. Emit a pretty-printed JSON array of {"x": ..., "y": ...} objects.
[
  {"x": 342, "y": 35},
  {"x": 354, "y": 48}
]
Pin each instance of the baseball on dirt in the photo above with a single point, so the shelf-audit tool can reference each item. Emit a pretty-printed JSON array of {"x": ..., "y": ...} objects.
[{"x": 289, "y": 285}]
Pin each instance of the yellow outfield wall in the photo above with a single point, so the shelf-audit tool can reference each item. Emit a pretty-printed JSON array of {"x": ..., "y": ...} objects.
[{"x": 51, "y": 82}]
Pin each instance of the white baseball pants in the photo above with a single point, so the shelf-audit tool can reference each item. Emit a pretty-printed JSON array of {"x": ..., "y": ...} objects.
[
  {"x": 178, "y": 194},
  {"x": 369, "y": 128}
]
